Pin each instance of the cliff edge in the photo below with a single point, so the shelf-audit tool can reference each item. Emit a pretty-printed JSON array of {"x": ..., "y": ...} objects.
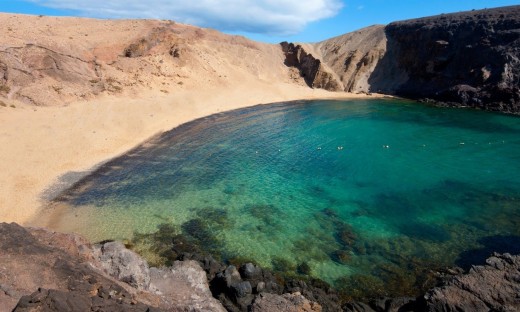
[
  {"x": 462, "y": 59},
  {"x": 466, "y": 59}
]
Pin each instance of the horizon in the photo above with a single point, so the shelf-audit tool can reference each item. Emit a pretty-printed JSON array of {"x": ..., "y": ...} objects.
[{"x": 293, "y": 21}]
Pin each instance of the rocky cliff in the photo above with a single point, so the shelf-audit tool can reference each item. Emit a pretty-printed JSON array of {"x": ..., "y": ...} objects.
[
  {"x": 313, "y": 71},
  {"x": 354, "y": 56},
  {"x": 462, "y": 59},
  {"x": 43, "y": 270}
]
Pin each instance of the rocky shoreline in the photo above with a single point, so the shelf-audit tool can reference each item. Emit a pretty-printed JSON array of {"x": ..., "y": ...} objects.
[{"x": 47, "y": 271}]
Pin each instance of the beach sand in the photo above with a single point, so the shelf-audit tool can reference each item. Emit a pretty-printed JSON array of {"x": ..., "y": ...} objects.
[
  {"x": 46, "y": 149},
  {"x": 81, "y": 99}
]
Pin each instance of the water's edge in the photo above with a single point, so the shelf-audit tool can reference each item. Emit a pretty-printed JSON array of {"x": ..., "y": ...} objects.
[{"x": 80, "y": 182}]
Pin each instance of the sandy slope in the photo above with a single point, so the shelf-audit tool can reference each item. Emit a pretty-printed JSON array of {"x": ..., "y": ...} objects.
[{"x": 79, "y": 101}]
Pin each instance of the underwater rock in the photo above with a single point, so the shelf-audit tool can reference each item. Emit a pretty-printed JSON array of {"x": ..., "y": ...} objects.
[
  {"x": 303, "y": 268},
  {"x": 340, "y": 256}
]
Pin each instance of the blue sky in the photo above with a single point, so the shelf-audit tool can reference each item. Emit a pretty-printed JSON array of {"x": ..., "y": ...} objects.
[{"x": 264, "y": 20}]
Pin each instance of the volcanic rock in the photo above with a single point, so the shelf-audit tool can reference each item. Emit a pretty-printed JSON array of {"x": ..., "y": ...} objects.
[{"x": 311, "y": 68}]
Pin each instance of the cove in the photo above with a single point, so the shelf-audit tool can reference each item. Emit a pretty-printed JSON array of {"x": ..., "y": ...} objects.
[{"x": 370, "y": 196}]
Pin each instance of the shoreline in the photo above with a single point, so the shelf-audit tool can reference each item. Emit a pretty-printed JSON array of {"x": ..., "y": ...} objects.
[{"x": 49, "y": 149}]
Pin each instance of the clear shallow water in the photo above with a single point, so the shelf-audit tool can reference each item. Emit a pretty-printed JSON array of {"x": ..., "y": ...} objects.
[{"x": 372, "y": 195}]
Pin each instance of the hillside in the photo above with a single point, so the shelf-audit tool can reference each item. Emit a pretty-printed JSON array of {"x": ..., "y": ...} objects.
[
  {"x": 461, "y": 59},
  {"x": 54, "y": 61}
]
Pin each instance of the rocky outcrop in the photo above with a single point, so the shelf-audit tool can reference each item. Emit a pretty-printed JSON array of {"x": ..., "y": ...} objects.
[
  {"x": 311, "y": 68},
  {"x": 354, "y": 56},
  {"x": 184, "y": 285},
  {"x": 46, "y": 271},
  {"x": 123, "y": 264},
  {"x": 462, "y": 59},
  {"x": 491, "y": 287},
  {"x": 288, "y": 302}
]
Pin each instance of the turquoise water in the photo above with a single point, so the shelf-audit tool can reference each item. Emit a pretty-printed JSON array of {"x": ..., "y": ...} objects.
[{"x": 372, "y": 195}]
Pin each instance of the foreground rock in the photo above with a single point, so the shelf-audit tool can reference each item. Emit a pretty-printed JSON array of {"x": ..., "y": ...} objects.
[
  {"x": 42, "y": 270},
  {"x": 47, "y": 271},
  {"x": 491, "y": 287},
  {"x": 287, "y": 302}
]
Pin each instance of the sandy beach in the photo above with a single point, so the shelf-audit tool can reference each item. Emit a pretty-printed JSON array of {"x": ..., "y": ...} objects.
[
  {"x": 78, "y": 92},
  {"x": 45, "y": 149}
]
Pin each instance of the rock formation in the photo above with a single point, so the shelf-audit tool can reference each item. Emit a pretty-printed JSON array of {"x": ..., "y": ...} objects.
[
  {"x": 288, "y": 302},
  {"x": 311, "y": 69},
  {"x": 462, "y": 59},
  {"x": 47, "y": 271},
  {"x": 354, "y": 56},
  {"x": 491, "y": 287}
]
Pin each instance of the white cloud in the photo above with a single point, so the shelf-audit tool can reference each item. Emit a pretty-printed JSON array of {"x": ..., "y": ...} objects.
[{"x": 280, "y": 17}]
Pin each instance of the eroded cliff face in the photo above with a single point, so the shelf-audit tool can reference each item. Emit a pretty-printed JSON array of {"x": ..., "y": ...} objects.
[
  {"x": 354, "y": 56},
  {"x": 462, "y": 59},
  {"x": 315, "y": 74}
]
